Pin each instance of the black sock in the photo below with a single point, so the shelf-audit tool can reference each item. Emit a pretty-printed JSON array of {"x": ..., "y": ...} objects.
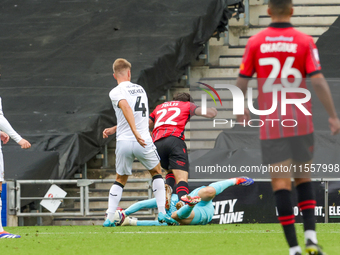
[
  {"x": 119, "y": 184},
  {"x": 286, "y": 216},
  {"x": 182, "y": 188},
  {"x": 306, "y": 203},
  {"x": 170, "y": 180}
]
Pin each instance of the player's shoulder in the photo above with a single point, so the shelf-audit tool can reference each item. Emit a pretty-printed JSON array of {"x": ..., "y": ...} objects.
[
  {"x": 302, "y": 37},
  {"x": 254, "y": 41},
  {"x": 115, "y": 91},
  {"x": 184, "y": 105},
  {"x": 257, "y": 38}
]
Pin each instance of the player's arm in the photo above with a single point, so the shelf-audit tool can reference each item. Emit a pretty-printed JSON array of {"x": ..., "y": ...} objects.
[
  {"x": 320, "y": 86},
  {"x": 323, "y": 92},
  {"x": 211, "y": 112},
  {"x": 152, "y": 118},
  {"x": 7, "y": 128},
  {"x": 183, "y": 221},
  {"x": 109, "y": 131},
  {"x": 151, "y": 124},
  {"x": 247, "y": 70},
  {"x": 128, "y": 114}
]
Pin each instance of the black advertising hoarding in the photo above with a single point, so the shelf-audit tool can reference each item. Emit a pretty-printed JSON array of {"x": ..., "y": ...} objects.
[{"x": 255, "y": 203}]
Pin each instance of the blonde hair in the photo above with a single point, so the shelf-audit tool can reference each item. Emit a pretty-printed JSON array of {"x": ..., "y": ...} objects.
[{"x": 120, "y": 66}]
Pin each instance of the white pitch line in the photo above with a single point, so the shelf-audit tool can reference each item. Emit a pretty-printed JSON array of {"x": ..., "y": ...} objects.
[
  {"x": 148, "y": 232},
  {"x": 182, "y": 232},
  {"x": 137, "y": 232}
]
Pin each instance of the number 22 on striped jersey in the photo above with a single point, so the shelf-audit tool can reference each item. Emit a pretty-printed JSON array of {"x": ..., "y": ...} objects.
[{"x": 169, "y": 121}]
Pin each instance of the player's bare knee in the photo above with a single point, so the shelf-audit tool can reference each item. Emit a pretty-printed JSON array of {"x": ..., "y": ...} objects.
[{"x": 207, "y": 193}]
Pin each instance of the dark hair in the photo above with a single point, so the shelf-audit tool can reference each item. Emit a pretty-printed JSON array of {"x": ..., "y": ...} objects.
[
  {"x": 280, "y": 7},
  {"x": 185, "y": 97}
]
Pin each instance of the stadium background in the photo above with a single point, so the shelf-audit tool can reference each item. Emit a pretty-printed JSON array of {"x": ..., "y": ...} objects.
[{"x": 56, "y": 72}]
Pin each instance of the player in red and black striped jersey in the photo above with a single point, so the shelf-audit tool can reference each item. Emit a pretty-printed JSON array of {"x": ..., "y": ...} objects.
[
  {"x": 168, "y": 122},
  {"x": 282, "y": 57}
]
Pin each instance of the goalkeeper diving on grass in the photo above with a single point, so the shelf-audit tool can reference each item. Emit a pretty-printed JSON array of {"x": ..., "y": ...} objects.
[{"x": 198, "y": 208}]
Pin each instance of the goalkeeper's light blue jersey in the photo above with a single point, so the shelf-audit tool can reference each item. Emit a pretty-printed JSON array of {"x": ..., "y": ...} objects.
[{"x": 174, "y": 201}]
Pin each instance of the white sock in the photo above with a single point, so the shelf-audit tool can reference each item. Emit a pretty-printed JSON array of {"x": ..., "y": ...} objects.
[
  {"x": 294, "y": 250},
  {"x": 114, "y": 198},
  {"x": 159, "y": 192},
  {"x": 1, "y": 228},
  {"x": 310, "y": 234}
]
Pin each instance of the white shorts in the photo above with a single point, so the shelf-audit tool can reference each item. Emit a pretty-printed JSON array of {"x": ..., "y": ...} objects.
[
  {"x": 127, "y": 151},
  {"x": 2, "y": 172}
]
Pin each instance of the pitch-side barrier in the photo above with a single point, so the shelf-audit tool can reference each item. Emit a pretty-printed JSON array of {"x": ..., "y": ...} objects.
[{"x": 15, "y": 197}]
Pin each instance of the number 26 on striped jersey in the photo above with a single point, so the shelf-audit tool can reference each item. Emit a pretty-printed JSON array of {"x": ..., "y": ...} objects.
[{"x": 287, "y": 70}]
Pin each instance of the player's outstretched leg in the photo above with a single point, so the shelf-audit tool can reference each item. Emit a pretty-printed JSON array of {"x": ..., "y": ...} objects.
[
  {"x": 145, "y": 204},
  {"x": 222, "y": 185},
  {"x": 134, "y": 222},
  {"x": 244, "y": 181},
  {"x": 186, "y": 210},
  {"x": 191, "y": 201}
]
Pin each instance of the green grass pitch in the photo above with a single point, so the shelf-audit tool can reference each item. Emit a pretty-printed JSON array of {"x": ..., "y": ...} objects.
[{"x": 210, "y": 239}]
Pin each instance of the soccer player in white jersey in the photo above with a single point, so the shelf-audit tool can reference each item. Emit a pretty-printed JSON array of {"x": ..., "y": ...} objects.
[
  {"x": 8, "y": 132},
  {"x": 130, "y": 103}
]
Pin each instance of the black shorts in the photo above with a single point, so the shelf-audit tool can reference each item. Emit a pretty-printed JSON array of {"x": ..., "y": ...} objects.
[
  {"x": 173, "y": 153},
  {"x": 298, "y": 148}
]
